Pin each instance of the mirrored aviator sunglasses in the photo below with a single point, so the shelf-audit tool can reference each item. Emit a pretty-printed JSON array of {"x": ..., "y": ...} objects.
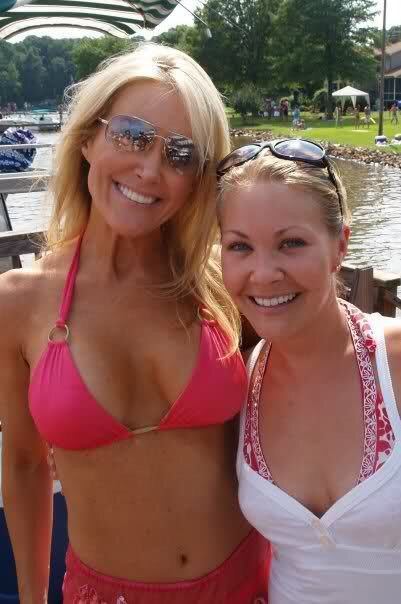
[
  {"x": 132, "y": 134},
  {"x": 293, "y": 149}
]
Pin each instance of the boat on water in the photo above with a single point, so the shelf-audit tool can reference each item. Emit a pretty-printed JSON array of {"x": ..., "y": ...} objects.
[
  {"x": 46, "y": 122},
  {"x": 39, "y": 121},
  {"x": 17, "y": 121}
]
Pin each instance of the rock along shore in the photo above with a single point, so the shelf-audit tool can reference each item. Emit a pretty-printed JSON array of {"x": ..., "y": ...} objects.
[{"x": 360, "y": 154}]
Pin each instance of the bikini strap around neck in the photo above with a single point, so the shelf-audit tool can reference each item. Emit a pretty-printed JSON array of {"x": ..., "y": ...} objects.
[{"x": 68, "y": 291}]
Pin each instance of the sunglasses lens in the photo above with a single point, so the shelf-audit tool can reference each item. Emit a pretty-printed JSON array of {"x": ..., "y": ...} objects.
[
  {"x": 180, "y": 152},
  {"x": 237, "y": 157},
  {"x": 129, "y": 134},
  {"x": 299, "y": 149}
]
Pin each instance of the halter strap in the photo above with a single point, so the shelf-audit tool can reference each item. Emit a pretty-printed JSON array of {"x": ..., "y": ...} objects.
[{"x": 68, "y": 291}]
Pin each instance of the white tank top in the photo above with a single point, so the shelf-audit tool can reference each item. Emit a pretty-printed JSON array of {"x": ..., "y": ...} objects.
[{"x": 352, "y": 554}]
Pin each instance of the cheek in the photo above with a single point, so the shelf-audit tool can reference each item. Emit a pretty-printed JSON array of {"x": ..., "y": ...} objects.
[
  {"x": 317, "y": 272},
  {"x": 231, "y": 274}
]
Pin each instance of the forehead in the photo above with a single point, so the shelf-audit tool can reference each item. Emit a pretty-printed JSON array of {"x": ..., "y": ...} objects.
[
  {"x": 154, "y": 102},
  {"x": 270, "y": 205}
]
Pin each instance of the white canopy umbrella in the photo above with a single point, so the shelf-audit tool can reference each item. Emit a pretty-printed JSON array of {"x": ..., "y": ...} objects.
[{"x": 349, "y": 91}]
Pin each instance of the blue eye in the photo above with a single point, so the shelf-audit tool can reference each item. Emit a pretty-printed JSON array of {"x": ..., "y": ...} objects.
[
  {"x": 291, "y": 243},
  {"x": 238, "y": 246}
]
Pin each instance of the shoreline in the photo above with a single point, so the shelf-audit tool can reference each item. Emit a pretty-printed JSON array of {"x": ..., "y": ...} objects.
[{"x": 359, "y": 154}]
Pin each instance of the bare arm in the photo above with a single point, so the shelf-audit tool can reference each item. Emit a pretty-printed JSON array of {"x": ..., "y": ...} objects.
[{"x": 26, "y": 482}]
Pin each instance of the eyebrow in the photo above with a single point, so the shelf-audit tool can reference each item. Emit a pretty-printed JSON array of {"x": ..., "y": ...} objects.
[
  {"x": 278, "y": 233},
  {"x": 293, "y": 226},
  {"x": 237, "y": 233}
]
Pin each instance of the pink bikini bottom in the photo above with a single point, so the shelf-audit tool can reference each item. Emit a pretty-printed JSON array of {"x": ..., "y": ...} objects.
[{"x": 241, "y": 579}]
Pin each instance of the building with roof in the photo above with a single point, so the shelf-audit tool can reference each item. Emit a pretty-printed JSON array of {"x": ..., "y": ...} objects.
[{"x": 392, "y": 72}]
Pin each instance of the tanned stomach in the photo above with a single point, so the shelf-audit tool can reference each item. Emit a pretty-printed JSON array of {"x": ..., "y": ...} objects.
[{"x": 158, "y": 507}]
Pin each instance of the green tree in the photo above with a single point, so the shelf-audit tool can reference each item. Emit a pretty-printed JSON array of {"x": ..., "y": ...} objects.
[
  {"x": 322, "y": 41},
  {"x": 183, "y": 37},
  {"x": 89, "y": 53},
  {"x": 247, "y": 100},
  {"x": 9, "y": 77},
  {"x": 58, "y": 77},
  {"x": 55, "y": 70},
  {"x": 32, "y": 75},
  {"x": 241, "y": 45}
]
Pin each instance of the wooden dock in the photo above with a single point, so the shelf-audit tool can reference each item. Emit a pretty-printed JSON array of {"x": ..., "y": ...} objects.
[{"x": 19, "y": 182}]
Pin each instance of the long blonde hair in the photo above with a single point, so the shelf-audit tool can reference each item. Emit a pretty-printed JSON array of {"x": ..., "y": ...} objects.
[{"x": 191, "y": 233}]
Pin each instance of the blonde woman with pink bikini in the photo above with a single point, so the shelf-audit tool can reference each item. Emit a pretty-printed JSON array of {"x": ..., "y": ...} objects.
[
  {"x": 319, "y": 458},
  {"x": 116, "y": 352}
]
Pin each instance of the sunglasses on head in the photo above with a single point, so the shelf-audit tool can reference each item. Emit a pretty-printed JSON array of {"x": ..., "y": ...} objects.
[
  {"x": 294, "y": 149},
  {"x": 133, "y": 134}
]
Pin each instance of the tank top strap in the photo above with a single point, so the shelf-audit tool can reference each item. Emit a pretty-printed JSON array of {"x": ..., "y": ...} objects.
[
  {"x": 68, "y": 291},
  {"x": 378, "y": 323},
  {"x": 250, "y": 366},
  {"x": 253, "y": 357}
]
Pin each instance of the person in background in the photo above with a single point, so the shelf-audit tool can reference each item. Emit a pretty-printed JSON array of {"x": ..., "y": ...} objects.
[
  {"x": 319, "y": 458},
  {"x": 337, "y": 115},
  {"x": 394, "y": 113},
  {"x": 368, "y": 115},
  {"x": 357, "y": 117},
  {"x": 296, "y": 116},
  {"x": 119, "y": 350}
]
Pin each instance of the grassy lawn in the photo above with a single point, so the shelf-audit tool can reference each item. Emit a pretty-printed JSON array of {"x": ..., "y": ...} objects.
[{"x": 345, "y": 134}]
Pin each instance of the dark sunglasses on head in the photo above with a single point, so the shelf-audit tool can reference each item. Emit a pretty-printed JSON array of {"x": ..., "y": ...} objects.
[
  {"x": 133, "y": 134},
  {"x": 294, "y": 149}
]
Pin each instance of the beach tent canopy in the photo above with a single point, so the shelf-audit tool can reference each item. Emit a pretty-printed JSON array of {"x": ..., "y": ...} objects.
[
  {"x": 349, "y": 91},
  {"x": 116, "y": 17}
]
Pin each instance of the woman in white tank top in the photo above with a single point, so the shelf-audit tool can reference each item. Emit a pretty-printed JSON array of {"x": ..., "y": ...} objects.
[{"x": 319, "y": 459}]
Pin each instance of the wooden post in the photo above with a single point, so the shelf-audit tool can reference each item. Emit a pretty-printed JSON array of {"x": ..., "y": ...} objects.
[
  {"x": 386, "y": 283},
  {"x": 383, "y": 289}
]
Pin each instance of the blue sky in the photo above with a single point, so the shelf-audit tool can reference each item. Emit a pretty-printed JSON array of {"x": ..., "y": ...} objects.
[{"x": 181, "y": 16}]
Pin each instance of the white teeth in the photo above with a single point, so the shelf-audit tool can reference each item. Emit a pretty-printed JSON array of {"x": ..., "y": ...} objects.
[
  {"x": 274, "y": 301},
  {"x": 133, "y": 196}
]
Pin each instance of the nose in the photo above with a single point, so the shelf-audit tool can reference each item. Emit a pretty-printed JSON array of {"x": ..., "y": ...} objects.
[
  {"x": 148, "y": 163},
  {"x": 266, "y": 269}
]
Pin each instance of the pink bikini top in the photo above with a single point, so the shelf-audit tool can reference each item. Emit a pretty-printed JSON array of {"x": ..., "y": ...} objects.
[{"x": 69, "y": 417}]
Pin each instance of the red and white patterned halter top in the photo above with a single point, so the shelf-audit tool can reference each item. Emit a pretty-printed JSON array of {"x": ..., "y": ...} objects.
[{"x": 378, "y": 435}]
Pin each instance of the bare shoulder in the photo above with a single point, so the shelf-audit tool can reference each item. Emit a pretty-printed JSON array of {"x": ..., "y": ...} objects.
[
  {"x": 392, "y": 333},
  {"x": 22, "y": 292},
  {"x": 17, "y": 294}
]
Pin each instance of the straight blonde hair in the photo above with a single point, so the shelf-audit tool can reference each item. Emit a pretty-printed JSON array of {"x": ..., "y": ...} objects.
[{"x": 191, "y": 233}]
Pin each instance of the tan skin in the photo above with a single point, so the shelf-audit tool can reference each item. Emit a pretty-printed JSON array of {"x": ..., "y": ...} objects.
[
  {"x": 311, "y": 434},
  {"x": 156, "y": 507}
]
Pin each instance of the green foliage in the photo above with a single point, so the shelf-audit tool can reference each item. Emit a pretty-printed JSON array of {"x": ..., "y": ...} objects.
[
  {"x": 183, "y": 37},
  {"x": 32, "y": 74},
  {"x": 323, "y": 42},
  {"x": 319, "y": 100},
  {"x": 247, "y": 99},
  {"x": 9, "y": 76},
  {"x": 39, "y": 69},
  {"x": 241, "y": 45},
  {"x": 89, "y": 53}
]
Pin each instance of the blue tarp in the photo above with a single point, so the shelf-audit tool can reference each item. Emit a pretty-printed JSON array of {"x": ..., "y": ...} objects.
[{"x": 16, "y": 160}]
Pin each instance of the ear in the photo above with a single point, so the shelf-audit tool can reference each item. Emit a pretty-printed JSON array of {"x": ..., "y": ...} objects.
[
  {"x": 86, "y": 150},
  {"x": 343, "y": 242}
]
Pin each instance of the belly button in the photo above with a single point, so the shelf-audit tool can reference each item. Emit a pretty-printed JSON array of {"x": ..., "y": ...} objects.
[{"x": 183, "y": 559}]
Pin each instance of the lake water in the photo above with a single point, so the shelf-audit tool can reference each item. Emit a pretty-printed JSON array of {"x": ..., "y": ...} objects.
[{"x": 374, "y": 195}]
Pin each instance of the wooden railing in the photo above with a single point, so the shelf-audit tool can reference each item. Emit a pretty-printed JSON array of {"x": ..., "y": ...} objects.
[{"x": 369, "y": 289}]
